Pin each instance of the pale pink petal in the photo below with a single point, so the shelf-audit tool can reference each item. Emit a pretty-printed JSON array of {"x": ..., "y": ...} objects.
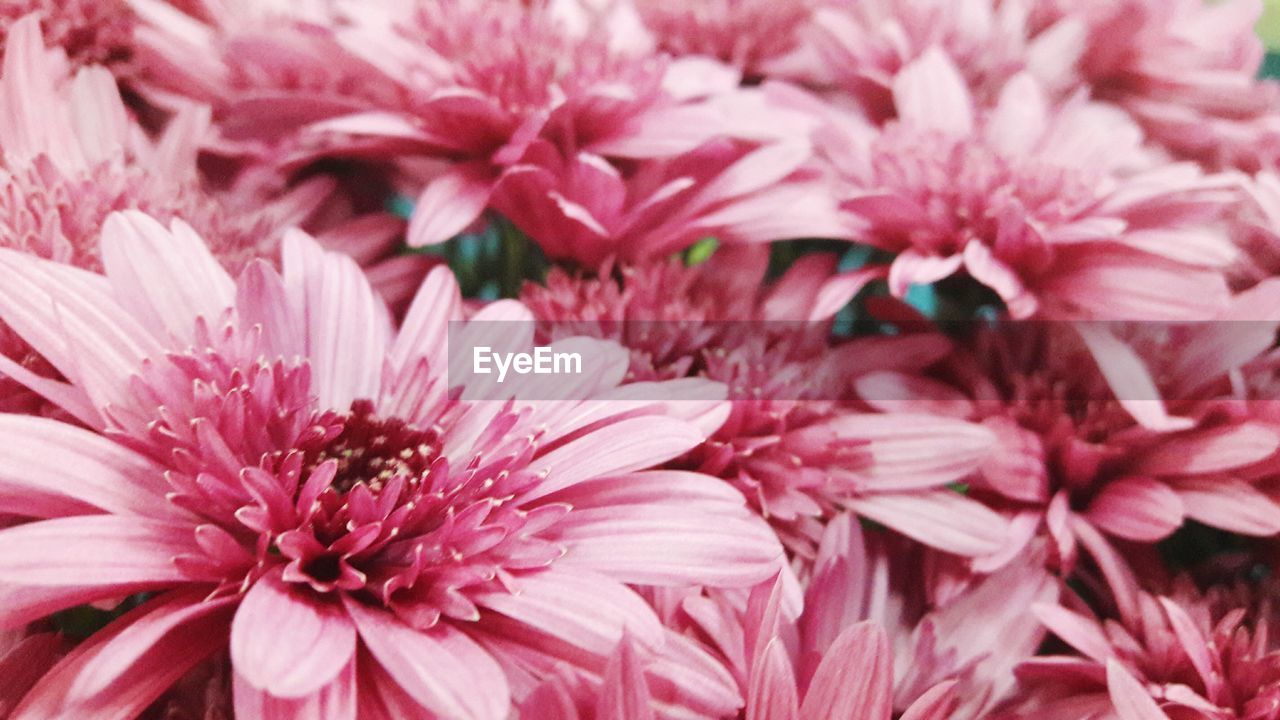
[
  {"x": 937, "y": 703},
  {"x": 942, "y": 519},
  {"x": 1079, "y": 632},
  {"x": 345, "y": 324},
  {"x": 165, "y": 278},
  {"x": 931, "y": 93},
  {"x": 771, "y": 694},
  {"x": 854, "y": 679},
  {"x": 624, "y": 694},
  {"x": 1137, "y": 508},
  {"x": 912, "y": 268},
  {"x": 71, "y": 318},
  {"x": 663, "y": 132},
  {"x": 450, "y": 203},
  {"x": 585, "y": 609},
  {"x": 441, "y": 668},
  {"x": 91, "y": 472},
  {"x": 1230, "y": 504},
  {"x": 335, "y": 701},
  {"x": 288, "y": 644},
  {"x": 1129, "y": 379},
  {"x": 617, "y": 448},
  {"x": 93, "y": 550},
  {"x": 671, "y": 544},
  {"x": 1131, "y": 700},
  {"x": 134, "y": 659},
  {"x": 1209, "y": 451}
]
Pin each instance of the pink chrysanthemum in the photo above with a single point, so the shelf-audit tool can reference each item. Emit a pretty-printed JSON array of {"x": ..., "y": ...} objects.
[
  {"x": 1186, "y": 70},
  {"x": 1190, "y": 653},
  {"x": 72, "y": 154},
  {"x": 284, "y": 476},
  {"x": 969, "y": 636},
  {"x": 471, "y": 83},
  {"x": 857, "y": 49},
  {"x": 1058, "y": 210},
  {"x": 1113, "y": 431},
  {"x": 757, "y": 37},
  {"x": 793, "y": 445}
]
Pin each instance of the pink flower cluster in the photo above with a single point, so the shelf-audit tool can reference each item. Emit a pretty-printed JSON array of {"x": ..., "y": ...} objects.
[{"x": 932, "y": 360}]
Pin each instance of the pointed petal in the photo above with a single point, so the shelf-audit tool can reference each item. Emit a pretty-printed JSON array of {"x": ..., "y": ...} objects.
[
  {"x": 624, "y": 694},
  {"x": 931, "y": 93},
  {"x": 450, "y": 203},
  {"x": 942, "y": 519},
  {"x": 854, "y": 679},
  {"x": 164, "y": 278},
  {"x": 346, "y": 326},
  {"x": 1137, "y": 508},
  {"x": 1131, "y": 700}
]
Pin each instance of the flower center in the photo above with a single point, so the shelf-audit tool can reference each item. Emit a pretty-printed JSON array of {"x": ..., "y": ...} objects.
[{"x": 372, "y": 451}]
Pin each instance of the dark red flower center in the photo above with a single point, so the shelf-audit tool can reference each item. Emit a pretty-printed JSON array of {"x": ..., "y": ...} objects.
[{"x": 371, "y": 450}]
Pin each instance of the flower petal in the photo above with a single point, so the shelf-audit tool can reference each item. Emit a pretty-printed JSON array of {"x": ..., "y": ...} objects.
[
  {"x": 441, "y": 668},
  {"x": 289, "y": 644}
]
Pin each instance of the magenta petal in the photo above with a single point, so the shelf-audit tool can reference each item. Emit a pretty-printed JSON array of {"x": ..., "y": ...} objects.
[{"x": 287, "y": 643}]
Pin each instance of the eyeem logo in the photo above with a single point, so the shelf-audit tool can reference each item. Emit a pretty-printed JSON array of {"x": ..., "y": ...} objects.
[{"x": 542, "y": 361}]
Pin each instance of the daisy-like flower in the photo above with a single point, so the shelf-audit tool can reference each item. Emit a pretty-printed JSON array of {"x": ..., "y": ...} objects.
[
  {"x": 857, "y": 49},
  {"x": 968, "y": 636},
  {"x": 285, "y": 477},
  {"x": 72, "y": 154},
  {"x": 758, "y": 37},
  {"x": 1191, "y": 653},
  {"x": 467, "y": 83},
  {"x": 1186, "y": 70},
  {"x": 1058, "y": 210},
  {"x": 793, "y": 445},
  {"x": 1113, "y": 431}
]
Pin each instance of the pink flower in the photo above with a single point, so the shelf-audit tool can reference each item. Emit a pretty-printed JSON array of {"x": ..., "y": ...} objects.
[
  {"x": 1057, "y": 210},
  {"x": 73, "y": 154},
  {"x": 1190, "y": 653},
  {"x": 857, "y": 50},
  {"x": 585, "y": 209},
  {"x": 469, "y": 84},
  {"x": 287, "y": 477},
  {"x": 1113, "y": 432},
  {"x": 758, "y": 37},
  {"x": 972, "y": 634},
  {"x": 794, "y": 445},
  {"x": 1186, "y": 70}
]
